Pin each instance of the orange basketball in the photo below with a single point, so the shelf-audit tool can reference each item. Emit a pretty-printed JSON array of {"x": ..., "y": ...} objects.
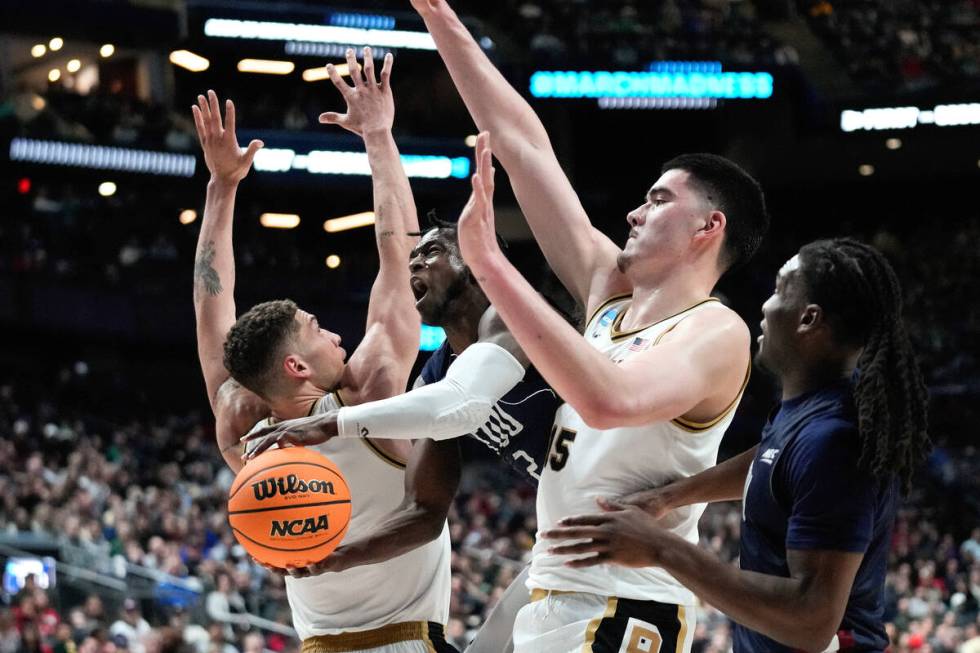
[{"x": 289, "y": 507}]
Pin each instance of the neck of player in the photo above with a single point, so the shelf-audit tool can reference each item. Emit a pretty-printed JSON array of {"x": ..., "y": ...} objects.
[
  {"x": 655, "y": 300},
  {"x": 819, "y": 373},
  {"x": 463, "y": 325}
]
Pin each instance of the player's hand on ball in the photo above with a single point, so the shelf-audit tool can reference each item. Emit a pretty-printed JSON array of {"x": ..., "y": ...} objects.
[
  {"x": 301, "y": 432},
  {"x": 623, "y": 535},
  {"x": 331, "y": 564},
  {"x": 226, "y": 161},
  {"x": 476, "y": 230},
  {"x": 370, "y": 106}
]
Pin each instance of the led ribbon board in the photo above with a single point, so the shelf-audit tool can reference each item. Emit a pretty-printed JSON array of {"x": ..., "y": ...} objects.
[
  {"x": 101, "y": 157},
  {"x": 337, "y": 162},
  {"x": 265, "y": 30},
  {"x": 432, "y": 338},
  {"x": 888, "y": 118},
  {"x": 675, "y": 87}
]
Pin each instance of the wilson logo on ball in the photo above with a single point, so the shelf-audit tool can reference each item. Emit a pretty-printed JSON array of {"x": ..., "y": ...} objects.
[
  {"x": 298, "y": 526},
  {"x": 292, "y": 484}
]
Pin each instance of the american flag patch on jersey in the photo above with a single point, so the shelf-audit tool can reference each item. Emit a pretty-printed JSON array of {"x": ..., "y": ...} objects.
[{"x": 639, "y": 344}]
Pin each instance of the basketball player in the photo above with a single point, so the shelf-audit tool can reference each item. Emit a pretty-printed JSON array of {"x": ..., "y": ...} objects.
[
  {"x": 653, "y": 387},
  {"x": 822, "y": 488},
  {"x": 280, "y": 354}
]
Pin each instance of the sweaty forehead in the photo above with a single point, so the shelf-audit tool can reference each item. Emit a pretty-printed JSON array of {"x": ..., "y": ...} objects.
[{"x": 437, "y": 235}]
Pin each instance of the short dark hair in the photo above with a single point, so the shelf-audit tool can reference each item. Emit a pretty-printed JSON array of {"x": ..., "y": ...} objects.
[
  {"x": 736, "y": 194},
  {"x": 255, "y": 341},
  {"x": 451, "y": 229}
]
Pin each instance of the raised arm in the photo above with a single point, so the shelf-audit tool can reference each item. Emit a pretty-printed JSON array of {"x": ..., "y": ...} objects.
[
  {"x": 382, "y": 363},
  {"x": 214, "y": 264},
  {"x": 582, "y": 257},
  {"x": 705, "y": 356},
  {"x": 431, "y": 479}
]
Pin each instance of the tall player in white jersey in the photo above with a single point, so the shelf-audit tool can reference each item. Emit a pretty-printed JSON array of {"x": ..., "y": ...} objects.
[
  {"x": 281, "y": 361},
  {"x": 652, "y": 386}
]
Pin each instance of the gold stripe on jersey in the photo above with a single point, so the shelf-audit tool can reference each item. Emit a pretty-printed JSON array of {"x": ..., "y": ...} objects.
[
  {"x": 697, "y": 427},
  {"x": 604, "y": 305},
  {"x": 615, "y": 334},
  {"x": 380, "y": 453},
  {"x": 611, "y": 604},
  {"x": 682, "y": 633},
  {"x": 366, "y": 639}
]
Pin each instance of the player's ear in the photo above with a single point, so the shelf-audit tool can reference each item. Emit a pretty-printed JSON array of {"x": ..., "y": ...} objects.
[
  {"x": 295, "y": 367},
  {"x": 811, "y": 319},
  {"x": 712, "y": 226}
]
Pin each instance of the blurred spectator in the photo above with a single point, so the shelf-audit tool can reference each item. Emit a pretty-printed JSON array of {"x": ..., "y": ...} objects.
[{"x": 131, "y": 626}]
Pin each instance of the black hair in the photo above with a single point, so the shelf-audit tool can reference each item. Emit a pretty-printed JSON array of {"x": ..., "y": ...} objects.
[
  {"x": 442, "y": 224},
  {"x": 860, "y": 294},
  {"x": 255, "y": 341},
  {"x": 735, "y": 193}
]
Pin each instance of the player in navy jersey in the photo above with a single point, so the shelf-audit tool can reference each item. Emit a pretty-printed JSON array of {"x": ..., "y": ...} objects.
[{"x": 822, "y": 488}]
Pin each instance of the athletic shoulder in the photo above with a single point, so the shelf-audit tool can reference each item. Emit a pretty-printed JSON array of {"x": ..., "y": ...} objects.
[{"x": 493, "y": 330}]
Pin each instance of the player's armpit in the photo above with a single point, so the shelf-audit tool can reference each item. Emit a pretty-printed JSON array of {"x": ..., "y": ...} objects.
[{"x": 237, "y": 410}]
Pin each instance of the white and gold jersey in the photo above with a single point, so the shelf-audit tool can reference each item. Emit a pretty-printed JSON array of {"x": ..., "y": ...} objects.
[
  {"x": 586, "y": 463},
  {"x": 414, "y": 586}
]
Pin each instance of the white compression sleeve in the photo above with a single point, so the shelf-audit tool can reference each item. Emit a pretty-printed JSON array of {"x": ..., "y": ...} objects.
[{"x": 454, "y": 406}]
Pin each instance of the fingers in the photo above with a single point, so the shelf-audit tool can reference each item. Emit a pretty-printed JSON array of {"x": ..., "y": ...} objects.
[
  {"x": 215, "y": 111},
  {"x": 230, "y": 116},
  {"x": 253, "y": 147},
  {"x": 331, "y": 118},
  {"x": 589, "y": 561},
  {"x": 262, "y": 445},
  {"x": 258, "y": 433},
  {"x": 338, "y": 81},
  {"x": 609, "y": 505},
  {"x": 354, "y": 69},
  {"x": 205, "y": 109},
  {"x": 574, "y": 533},
  {"x": 386, "y": 71},
  {"x": 198, "y": 123},
  {"x": 596, "y": 519},
  {"x": 369, "y": 68},
  {"x": 592, "y": 546}
]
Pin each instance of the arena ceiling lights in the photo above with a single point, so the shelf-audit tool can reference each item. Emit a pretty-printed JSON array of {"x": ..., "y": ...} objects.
[
  {"x": 889, "y": 118},
  {"x": 336, "y": 162},
  {"x": 264, "y": 30},
  {"x": 98, "y": 157}
]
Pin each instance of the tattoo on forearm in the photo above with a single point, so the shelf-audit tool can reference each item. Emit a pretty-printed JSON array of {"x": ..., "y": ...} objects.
[{"x": 204, "y": 271}]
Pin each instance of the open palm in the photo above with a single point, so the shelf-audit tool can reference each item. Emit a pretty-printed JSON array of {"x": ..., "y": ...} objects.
[
  {"x": 370, "y": 105},
  {"x": 226, "y": 161}
]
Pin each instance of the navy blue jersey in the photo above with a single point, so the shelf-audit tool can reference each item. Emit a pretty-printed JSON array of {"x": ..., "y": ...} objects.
[
  {"x": 805, "y": 491},
  {"x": 520, "y": 423}
]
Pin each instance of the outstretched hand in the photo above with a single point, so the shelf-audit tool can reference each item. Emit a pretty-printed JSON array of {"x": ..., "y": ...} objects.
[
  {"x": 226, "y": 161},
  {"x": 620, "y": 534},
  {"x": 426, "y": 6},
  {"x": 370, "y": 105},
  {"x": 301, "y": 432},
  {"x": 476, "y": 229}
]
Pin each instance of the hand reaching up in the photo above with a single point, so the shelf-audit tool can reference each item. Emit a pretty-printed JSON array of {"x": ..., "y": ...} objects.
[
  {"x": 370, "y": 105},
  {"x": 226, "y": 161},
  {"x": 476, "y": 230}
]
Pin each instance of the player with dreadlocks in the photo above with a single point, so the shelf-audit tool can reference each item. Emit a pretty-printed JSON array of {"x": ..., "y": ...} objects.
[{"x": 822, "y": 488}]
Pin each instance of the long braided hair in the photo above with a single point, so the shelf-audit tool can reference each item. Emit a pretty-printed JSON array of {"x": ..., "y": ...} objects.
[{"x": 860, "y": 294}]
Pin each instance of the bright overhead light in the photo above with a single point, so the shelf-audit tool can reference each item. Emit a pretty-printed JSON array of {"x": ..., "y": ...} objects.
[
  {"x": 279, "y": 220},
  {"x": 866, "y": 170},
  {"x": 275, "y": 31},
  {"x": 38, "y": 102},
  {"x": 107, "y": 189},
  {"x": 893, "y": 143},
  {"x": 189, "y": 61},
  {"x": 349, "y": 222},
  {"x": 54, "y": 75},
  {"x": 100, "y": 157},
  {"x": 74, "y": 66},
  {"x": 107, "y": 50},
  {"x": 56, "y": 43},
  {"x": 187, "y": 216},
  {"x": 266, "y": 66},
  {"x": 470, "y": 140},
  {"x": 38, "y": 50},
  {"x": 333, "y": 261},
  {"x": 317, "y": 74}
]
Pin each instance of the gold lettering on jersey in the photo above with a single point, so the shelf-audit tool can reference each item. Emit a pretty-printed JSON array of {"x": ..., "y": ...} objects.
[{"x": 639, "y": 639}]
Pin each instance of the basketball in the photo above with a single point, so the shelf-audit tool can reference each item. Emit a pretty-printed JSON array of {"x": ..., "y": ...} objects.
[{"x": 289, "y": 507}]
